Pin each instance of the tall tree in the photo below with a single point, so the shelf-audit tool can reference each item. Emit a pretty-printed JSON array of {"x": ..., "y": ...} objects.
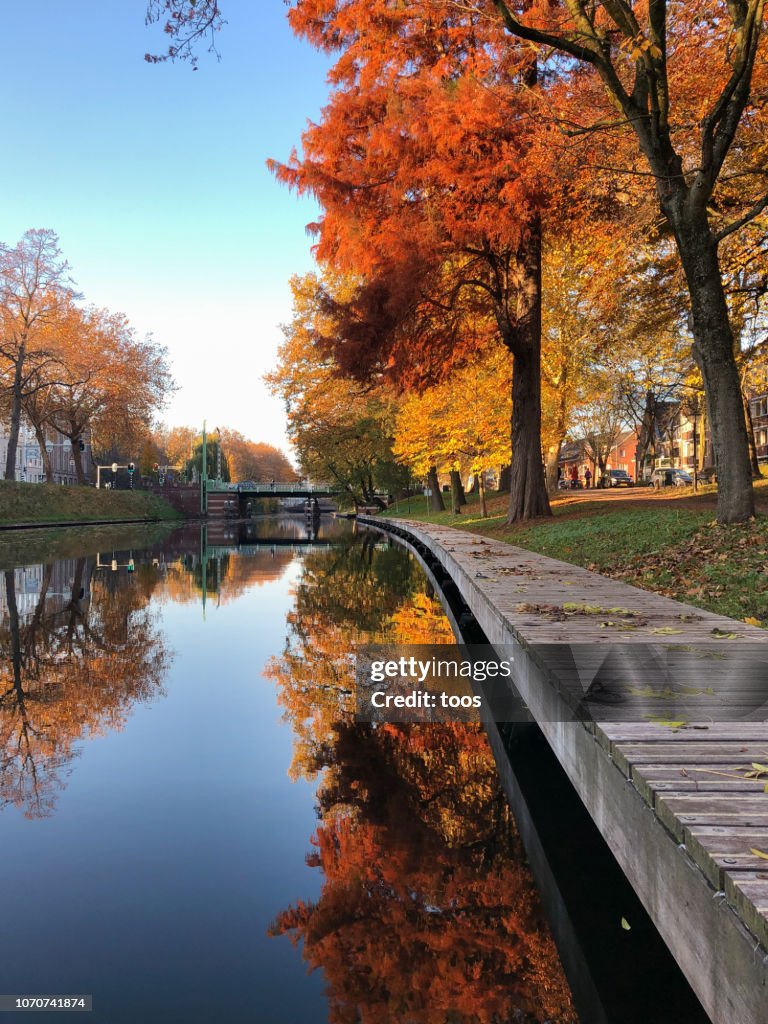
[
  {"x": 115, "y": 384},
  {"x": 420, "y": 165},
  {"x": 34, "y": 285},
  {"x": 681, "y": 78}
]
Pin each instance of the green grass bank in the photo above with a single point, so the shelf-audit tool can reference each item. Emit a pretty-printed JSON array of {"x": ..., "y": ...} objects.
[
  {"x": 673, "y": 546},
  {"x": 23, "y": 504}
]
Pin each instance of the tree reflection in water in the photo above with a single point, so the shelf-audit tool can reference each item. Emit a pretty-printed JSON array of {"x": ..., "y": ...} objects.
[
  {"x": 75, "y": 659},
  {"x": 428, "y": 913}
]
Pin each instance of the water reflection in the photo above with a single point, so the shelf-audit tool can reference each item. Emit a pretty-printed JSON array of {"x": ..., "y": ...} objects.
[
  {"x": 78, "y": 650},
  {"x": 178, "y": 847},
  {"x": 427, "y": 913}
]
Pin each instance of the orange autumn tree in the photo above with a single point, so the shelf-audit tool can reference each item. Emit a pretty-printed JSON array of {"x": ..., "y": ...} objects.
[
  {"x": 34, "y": 288},
  {"x": 254, "y": 460},
  {"x": 422, "y": 163},
  {"x": 104, "y": 384},
  {"x": 677, "y": 91}
]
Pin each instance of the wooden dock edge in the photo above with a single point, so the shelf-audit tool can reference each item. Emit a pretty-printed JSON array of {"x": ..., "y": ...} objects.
[{"x": 722, "y": 959}]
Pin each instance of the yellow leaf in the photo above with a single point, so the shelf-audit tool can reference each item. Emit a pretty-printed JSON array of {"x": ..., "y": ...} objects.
[
  {"x": 626, "y": 925},
  {"x": 752, "y": 621},
  {"x": 759, "y": 853},
  {"x": 721, "y": 634}
]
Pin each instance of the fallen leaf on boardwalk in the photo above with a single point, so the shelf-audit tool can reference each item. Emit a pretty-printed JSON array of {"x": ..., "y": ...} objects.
[
  {"x": 627, "y": 926},
  {"x": 666, "y": 630},
  {"x": 752, "y": 621},
  {"x": 721, "y": 634},
  {"x": 759, "y": 853}
]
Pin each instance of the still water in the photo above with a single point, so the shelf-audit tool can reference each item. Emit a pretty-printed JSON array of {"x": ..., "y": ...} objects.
[{"x": 193, "y": 829}]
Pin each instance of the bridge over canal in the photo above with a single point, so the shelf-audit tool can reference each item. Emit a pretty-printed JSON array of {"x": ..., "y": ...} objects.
[{"x": 219, "y": 498}]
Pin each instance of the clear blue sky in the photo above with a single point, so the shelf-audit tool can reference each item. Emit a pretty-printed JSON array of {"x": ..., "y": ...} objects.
[{"x": 154, "y": 178}]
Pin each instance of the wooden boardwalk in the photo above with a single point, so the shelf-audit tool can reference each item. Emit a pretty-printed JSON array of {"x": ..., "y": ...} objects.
[{"x": 683, "y": 802}]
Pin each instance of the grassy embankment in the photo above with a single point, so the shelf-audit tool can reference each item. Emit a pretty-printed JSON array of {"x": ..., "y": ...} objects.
[
  {"x": 671, "y": 545},
  {"x": 22, "y": 503}
]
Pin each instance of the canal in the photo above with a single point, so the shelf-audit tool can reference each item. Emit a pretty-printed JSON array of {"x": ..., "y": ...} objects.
[{"x": 194, "y": 829}]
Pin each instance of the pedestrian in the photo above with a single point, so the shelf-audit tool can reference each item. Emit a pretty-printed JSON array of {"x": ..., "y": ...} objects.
[
  {"x": 272, "y": 483},
  {"x": 574, "y": 476},
  {"x": 587, "y": 477}
]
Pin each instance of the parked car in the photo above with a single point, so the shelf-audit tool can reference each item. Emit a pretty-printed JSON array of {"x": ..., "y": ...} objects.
[
  {"x": 616, "y": 478},
  {"x": 671, "y": 478}
]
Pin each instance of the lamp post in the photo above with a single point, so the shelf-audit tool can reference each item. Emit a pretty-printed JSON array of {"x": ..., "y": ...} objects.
[{"x": 204, "y": 475}]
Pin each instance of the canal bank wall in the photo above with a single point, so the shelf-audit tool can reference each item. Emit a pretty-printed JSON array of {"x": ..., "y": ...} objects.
[{"x": 672, "y": 803}]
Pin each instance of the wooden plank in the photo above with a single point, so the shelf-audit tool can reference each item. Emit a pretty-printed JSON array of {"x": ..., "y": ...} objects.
[
  {"x": 718, "y": 850},
  {"x": 747, "y": 892},
  {"x": 685, "y": 751},
  {"x": 693, "y": 778},
  {"x": 678, "y": 812},
  {"x": 609, "y": 733}
]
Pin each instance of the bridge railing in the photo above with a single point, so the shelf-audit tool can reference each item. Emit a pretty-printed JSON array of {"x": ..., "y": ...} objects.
[{"x": 260, "y": 487}]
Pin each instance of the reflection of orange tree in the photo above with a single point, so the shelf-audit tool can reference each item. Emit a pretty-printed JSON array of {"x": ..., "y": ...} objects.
[
  {"x": 71, "y": 672},
  {"x": 361, "y": 591},
  {"x": 428, "y": 913}
]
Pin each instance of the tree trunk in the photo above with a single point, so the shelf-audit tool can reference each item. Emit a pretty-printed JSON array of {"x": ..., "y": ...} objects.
[
  {"x": 504, "y": 478},
  {"x": 436, "y": 503},
  {"x": 553, "y": 460},
  {"x": 527, "y": 495},
  {"x": 45, "y": 455},
  {"x": 462, "y": 495},
  {"x": 713, "y": 350},
  {"x": 457, "y": 492},
  {"x": 645, "y": 435},
  {"x": 483, "y": 503},
  {"x": 15, "y": 421},
  {"x": 77, "y": 455},
  {"x": 528, "y": 488}
]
